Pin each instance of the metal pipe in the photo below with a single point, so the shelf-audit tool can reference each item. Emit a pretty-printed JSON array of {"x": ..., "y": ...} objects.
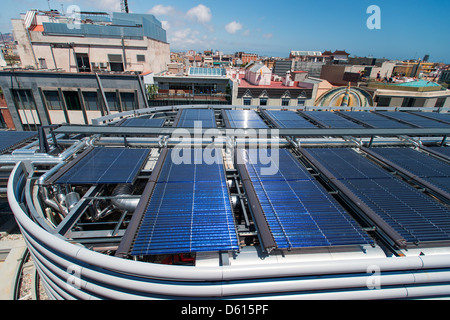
[{"x": 122, "y": 203}]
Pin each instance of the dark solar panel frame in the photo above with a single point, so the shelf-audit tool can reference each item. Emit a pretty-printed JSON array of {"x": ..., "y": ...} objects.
[
  {"x": 243, "y": 119},
  {"x": 374, "y": 120},
  {"x": 414, "y": 119},
  {"x": 149, "y": 123},
  {"x": 330, "y": 119},
  {"x": 287, "y": 119},
  {"x": 189, "y": 118},
  {"x": 417, "y": 164},
  {"x": 415, "y": 216},
  {"x": 106, "y": 166},
  {"x": 298, "y": 210},
  {"x": 10, "y": 139},
  {"x": 189, "y": 210},
  {"x": 442, "y": 117}
]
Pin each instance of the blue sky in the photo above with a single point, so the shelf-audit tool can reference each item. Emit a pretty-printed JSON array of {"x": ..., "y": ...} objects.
[{"x": 409, "y": 28}]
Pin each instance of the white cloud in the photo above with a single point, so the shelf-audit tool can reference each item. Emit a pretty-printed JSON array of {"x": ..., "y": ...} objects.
[
  {"x": 233, "y": 27},
  {"x": 188, "y": 38},
  {"x": 160, "y": 9},
  {"x": 200, "y": 14},
  {"x": 268, "y": 35},
  {"x": 246, "y": 33},
  {"x": 166, "y": 25}
]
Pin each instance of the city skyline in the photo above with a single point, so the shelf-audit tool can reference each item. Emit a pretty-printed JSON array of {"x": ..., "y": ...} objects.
[{"x": 409, "y": 29}]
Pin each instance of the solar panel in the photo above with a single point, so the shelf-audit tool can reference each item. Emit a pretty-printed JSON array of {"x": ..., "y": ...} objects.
[
  {"x": 413, "y": 215},
  {"x": 441, "y": 150},
  {"x": 374, "y": 120},
  {"x": 138, "y": 122},
  {"x": 298, "y": 210},
  {"x": 288, "y": 119},
  {"x": 415, "y": 119},
  {"x": 434, "y": 115},
  {"x": 245, "y": 119},
  {"x": 9, "y": 139},
  {"x": 419, "y": 164},
  {"x": 106, "y": 166},
  {"x": 189, "y": 210},
  {"x": 194, "y": 117},
  {"x": 331, "y": 120}
]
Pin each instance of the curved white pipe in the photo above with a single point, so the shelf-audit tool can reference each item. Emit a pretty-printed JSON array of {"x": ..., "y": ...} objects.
[{"x": 234, "y": 280}]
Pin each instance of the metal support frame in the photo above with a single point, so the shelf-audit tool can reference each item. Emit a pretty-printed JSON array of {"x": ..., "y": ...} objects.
[{"x": 76, "y": 213}]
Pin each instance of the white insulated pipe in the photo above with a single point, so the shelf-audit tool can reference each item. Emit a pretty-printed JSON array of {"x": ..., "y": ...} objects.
[{"x": 223, "y": 281}]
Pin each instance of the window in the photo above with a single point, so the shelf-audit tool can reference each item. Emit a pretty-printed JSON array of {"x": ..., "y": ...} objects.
[
  {"x": 116, "y": 62},
  {"x": 263, "y": 101},
  {"x": 52, "y": 100},
  {"x": 42, "y": 63},
  {"x": 128, "y": 101},
  {"x": 247, "y": 101},
  {"x": 301, "y": 102},
  {"x": 408, "y": 102},
  {"x": 91, "y": 101},
  {"x": 440, "y": 103},
  {"x": 72, "y": 100},
  {"x": 285, "y": 102},
  {"x": 83, "y": 63},
  {"x": 140, "y": 58},
  {"x": 111, "y": 98},
  {"x": 26, "y": 107},
  {"x": 383, "y": 101}
]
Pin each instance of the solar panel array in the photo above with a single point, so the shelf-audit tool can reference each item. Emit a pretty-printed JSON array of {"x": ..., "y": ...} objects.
[
  {"x": 434, "y": 115},
  {"x": 331, "y": 120},
  {"x": 374, "y": 120},
  {"x": 214, "y": 72},
  {"x": 189, "y": 210},
  {"x": 9, "y": 139},
  {"x": 418, "y": 163},
  {"x": 106, "y": 166},
  {"x": 298, "y": 210},
  {"x": 245, "y": 119},
  {"x": 139, "y": 122},
  {"x": 412, "y": 214},
  {"x": 191, "y": 118},
  {"x": 288, "y": 119},
  {"x": 415, "y": 119}
]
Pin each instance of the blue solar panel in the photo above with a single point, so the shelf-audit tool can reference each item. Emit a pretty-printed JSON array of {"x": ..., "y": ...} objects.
[
  {"x": 331, "y": 120},
  {"x": 415, "y": 119},
  {"x": 445, "y": 151},
  {"x": 9, "y": 139},
  {"x": 244, "y": 119},
  {"x": 435, "y": 115},
  {"x": 195, "y": 117},
  {"x": 419, "y": 164},
  {"x": 298, "y": 210},
  {"x": 413, "y": 215},
  {"x": 288, "y": 119},
  {"x": 375, "y": 120},
  {"x": 189, "y": 210},
  {"x": 106, "y": 166},
  {"x": 149, "y": 123}
]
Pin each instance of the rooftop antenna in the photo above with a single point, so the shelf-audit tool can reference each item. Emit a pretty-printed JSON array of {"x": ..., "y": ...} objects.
[
  {"x": 49, "y": 6},
  {"x": 124, "y": 5}
]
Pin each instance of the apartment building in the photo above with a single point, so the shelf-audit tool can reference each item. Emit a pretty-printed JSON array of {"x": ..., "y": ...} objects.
[{"x": 91, "y": 42}]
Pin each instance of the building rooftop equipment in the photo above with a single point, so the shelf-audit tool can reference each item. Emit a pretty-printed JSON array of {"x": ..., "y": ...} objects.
[{"x": 306, "y": 210}]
